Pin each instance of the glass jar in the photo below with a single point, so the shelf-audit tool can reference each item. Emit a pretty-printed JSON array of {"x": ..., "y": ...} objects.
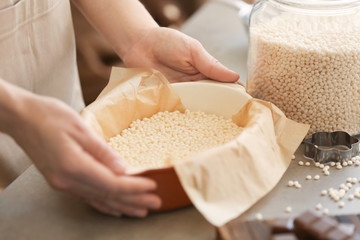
[{"x": 304, "y": 56}]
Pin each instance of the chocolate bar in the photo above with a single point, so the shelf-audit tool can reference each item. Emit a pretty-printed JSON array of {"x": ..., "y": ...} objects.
[
  {"x": 281, "y": 225},
  {"x": 251, "y": 230},
  {"x": 307, "y": 226},
  {"x": 310, "y": 225},
  {"x": 284, "y": 236}
]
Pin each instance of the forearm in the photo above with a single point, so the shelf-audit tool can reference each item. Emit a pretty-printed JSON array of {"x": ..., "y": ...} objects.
[
  {"x": 122, "y": 22},
  {"x": 12, "y": 101}
]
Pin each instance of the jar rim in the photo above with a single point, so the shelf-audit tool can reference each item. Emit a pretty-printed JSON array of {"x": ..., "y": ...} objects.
[{"x": 321, "y": 4}]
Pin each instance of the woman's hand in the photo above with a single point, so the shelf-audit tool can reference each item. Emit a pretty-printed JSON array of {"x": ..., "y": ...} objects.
[
  {"x": 72, "y": 157},
  {"x": 145, "y": 44},
  {"x": 178, "y": 56}
]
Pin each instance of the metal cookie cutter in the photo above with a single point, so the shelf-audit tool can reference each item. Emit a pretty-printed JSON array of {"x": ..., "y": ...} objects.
[{"x": 324, "y": 147}]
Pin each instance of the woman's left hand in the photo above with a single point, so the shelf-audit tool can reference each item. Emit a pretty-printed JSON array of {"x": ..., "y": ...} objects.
[{"x": 179, "y": 57}]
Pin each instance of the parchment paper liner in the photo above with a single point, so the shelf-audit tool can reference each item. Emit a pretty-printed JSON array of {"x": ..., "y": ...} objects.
[
  {"x": 130, "y": 94},
  {"x": 222, "y": 182}
]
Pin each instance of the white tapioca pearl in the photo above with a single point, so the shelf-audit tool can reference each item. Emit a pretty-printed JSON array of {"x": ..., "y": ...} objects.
[
  {"x": 290, "y": 183},
  {"x": 325, "y": 211},
  {"x": 259, "y": 216},
  {"x": 288, "y": 209}
]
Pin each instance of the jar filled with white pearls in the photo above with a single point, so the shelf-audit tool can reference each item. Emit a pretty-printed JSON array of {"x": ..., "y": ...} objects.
[{"x": 304, "y": 56}]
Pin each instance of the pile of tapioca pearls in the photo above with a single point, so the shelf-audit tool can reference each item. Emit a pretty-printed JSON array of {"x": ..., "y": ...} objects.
[{"x": 337, "y": 195}]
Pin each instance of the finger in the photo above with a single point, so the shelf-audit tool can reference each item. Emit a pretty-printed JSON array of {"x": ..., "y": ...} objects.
[
  {"x": 118, "y": 208},
  {"x": 96, "y": 187},
  {"x": 191, "y": 78},
  {"x": 100, "y": 151},
  {"x": 134, "y": 185},
  {"x": 209, "y": 66},
  {"x": 92, "y": 181},
  {"x": 105, "y": 209},
  {"x": 181, "y": 76},
  {"x": 133, "y": 190},
  {"x": 106, "y": 155},
  {"x": 197, "y": 77},
  {"x": 91, "y": 174},
  {"x": 128, "y": 204},
  {"x": 145, "y": 200},
  {"x": 142, "y": 200},
  {"x": 126, "y": 209}
]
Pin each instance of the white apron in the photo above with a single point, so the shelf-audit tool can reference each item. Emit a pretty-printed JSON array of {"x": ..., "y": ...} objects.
[{"x": 37, "y": 53}]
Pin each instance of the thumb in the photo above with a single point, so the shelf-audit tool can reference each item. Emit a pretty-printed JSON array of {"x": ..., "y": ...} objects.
[
  {"x": 103, "y": 153},
  {"x": 110, "y": 158},
  {"x": 209, "y": 66}
]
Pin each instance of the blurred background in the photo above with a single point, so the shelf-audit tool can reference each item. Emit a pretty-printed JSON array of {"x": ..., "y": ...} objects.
[{"x": 94, "y": 55}]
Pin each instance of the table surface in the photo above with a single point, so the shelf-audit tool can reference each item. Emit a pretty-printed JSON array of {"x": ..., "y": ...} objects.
[{"x": 30, "y": 209}]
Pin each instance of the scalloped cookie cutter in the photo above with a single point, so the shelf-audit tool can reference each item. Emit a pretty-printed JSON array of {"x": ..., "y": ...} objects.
[{"x": 324, "y": 147}]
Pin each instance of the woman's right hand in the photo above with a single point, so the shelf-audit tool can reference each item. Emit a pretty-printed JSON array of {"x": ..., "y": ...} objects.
[{"x": 72, "y": 157}]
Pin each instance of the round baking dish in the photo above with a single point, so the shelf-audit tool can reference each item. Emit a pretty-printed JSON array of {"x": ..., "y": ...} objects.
[{"x": 224, "y": 99}]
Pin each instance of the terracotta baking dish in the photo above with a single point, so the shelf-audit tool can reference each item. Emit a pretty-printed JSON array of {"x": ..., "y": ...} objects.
[
  {"x": 169, "y": 188},
  {"x": 208, "y": 96}
]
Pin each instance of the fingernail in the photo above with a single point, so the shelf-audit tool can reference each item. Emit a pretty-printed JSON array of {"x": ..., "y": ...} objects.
[
  {"x": 119, "y": 165},
  {"x": 140, "y": 213},
  {"x": 155, "y": 205},
  {"x": 116, "y": 213}
]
